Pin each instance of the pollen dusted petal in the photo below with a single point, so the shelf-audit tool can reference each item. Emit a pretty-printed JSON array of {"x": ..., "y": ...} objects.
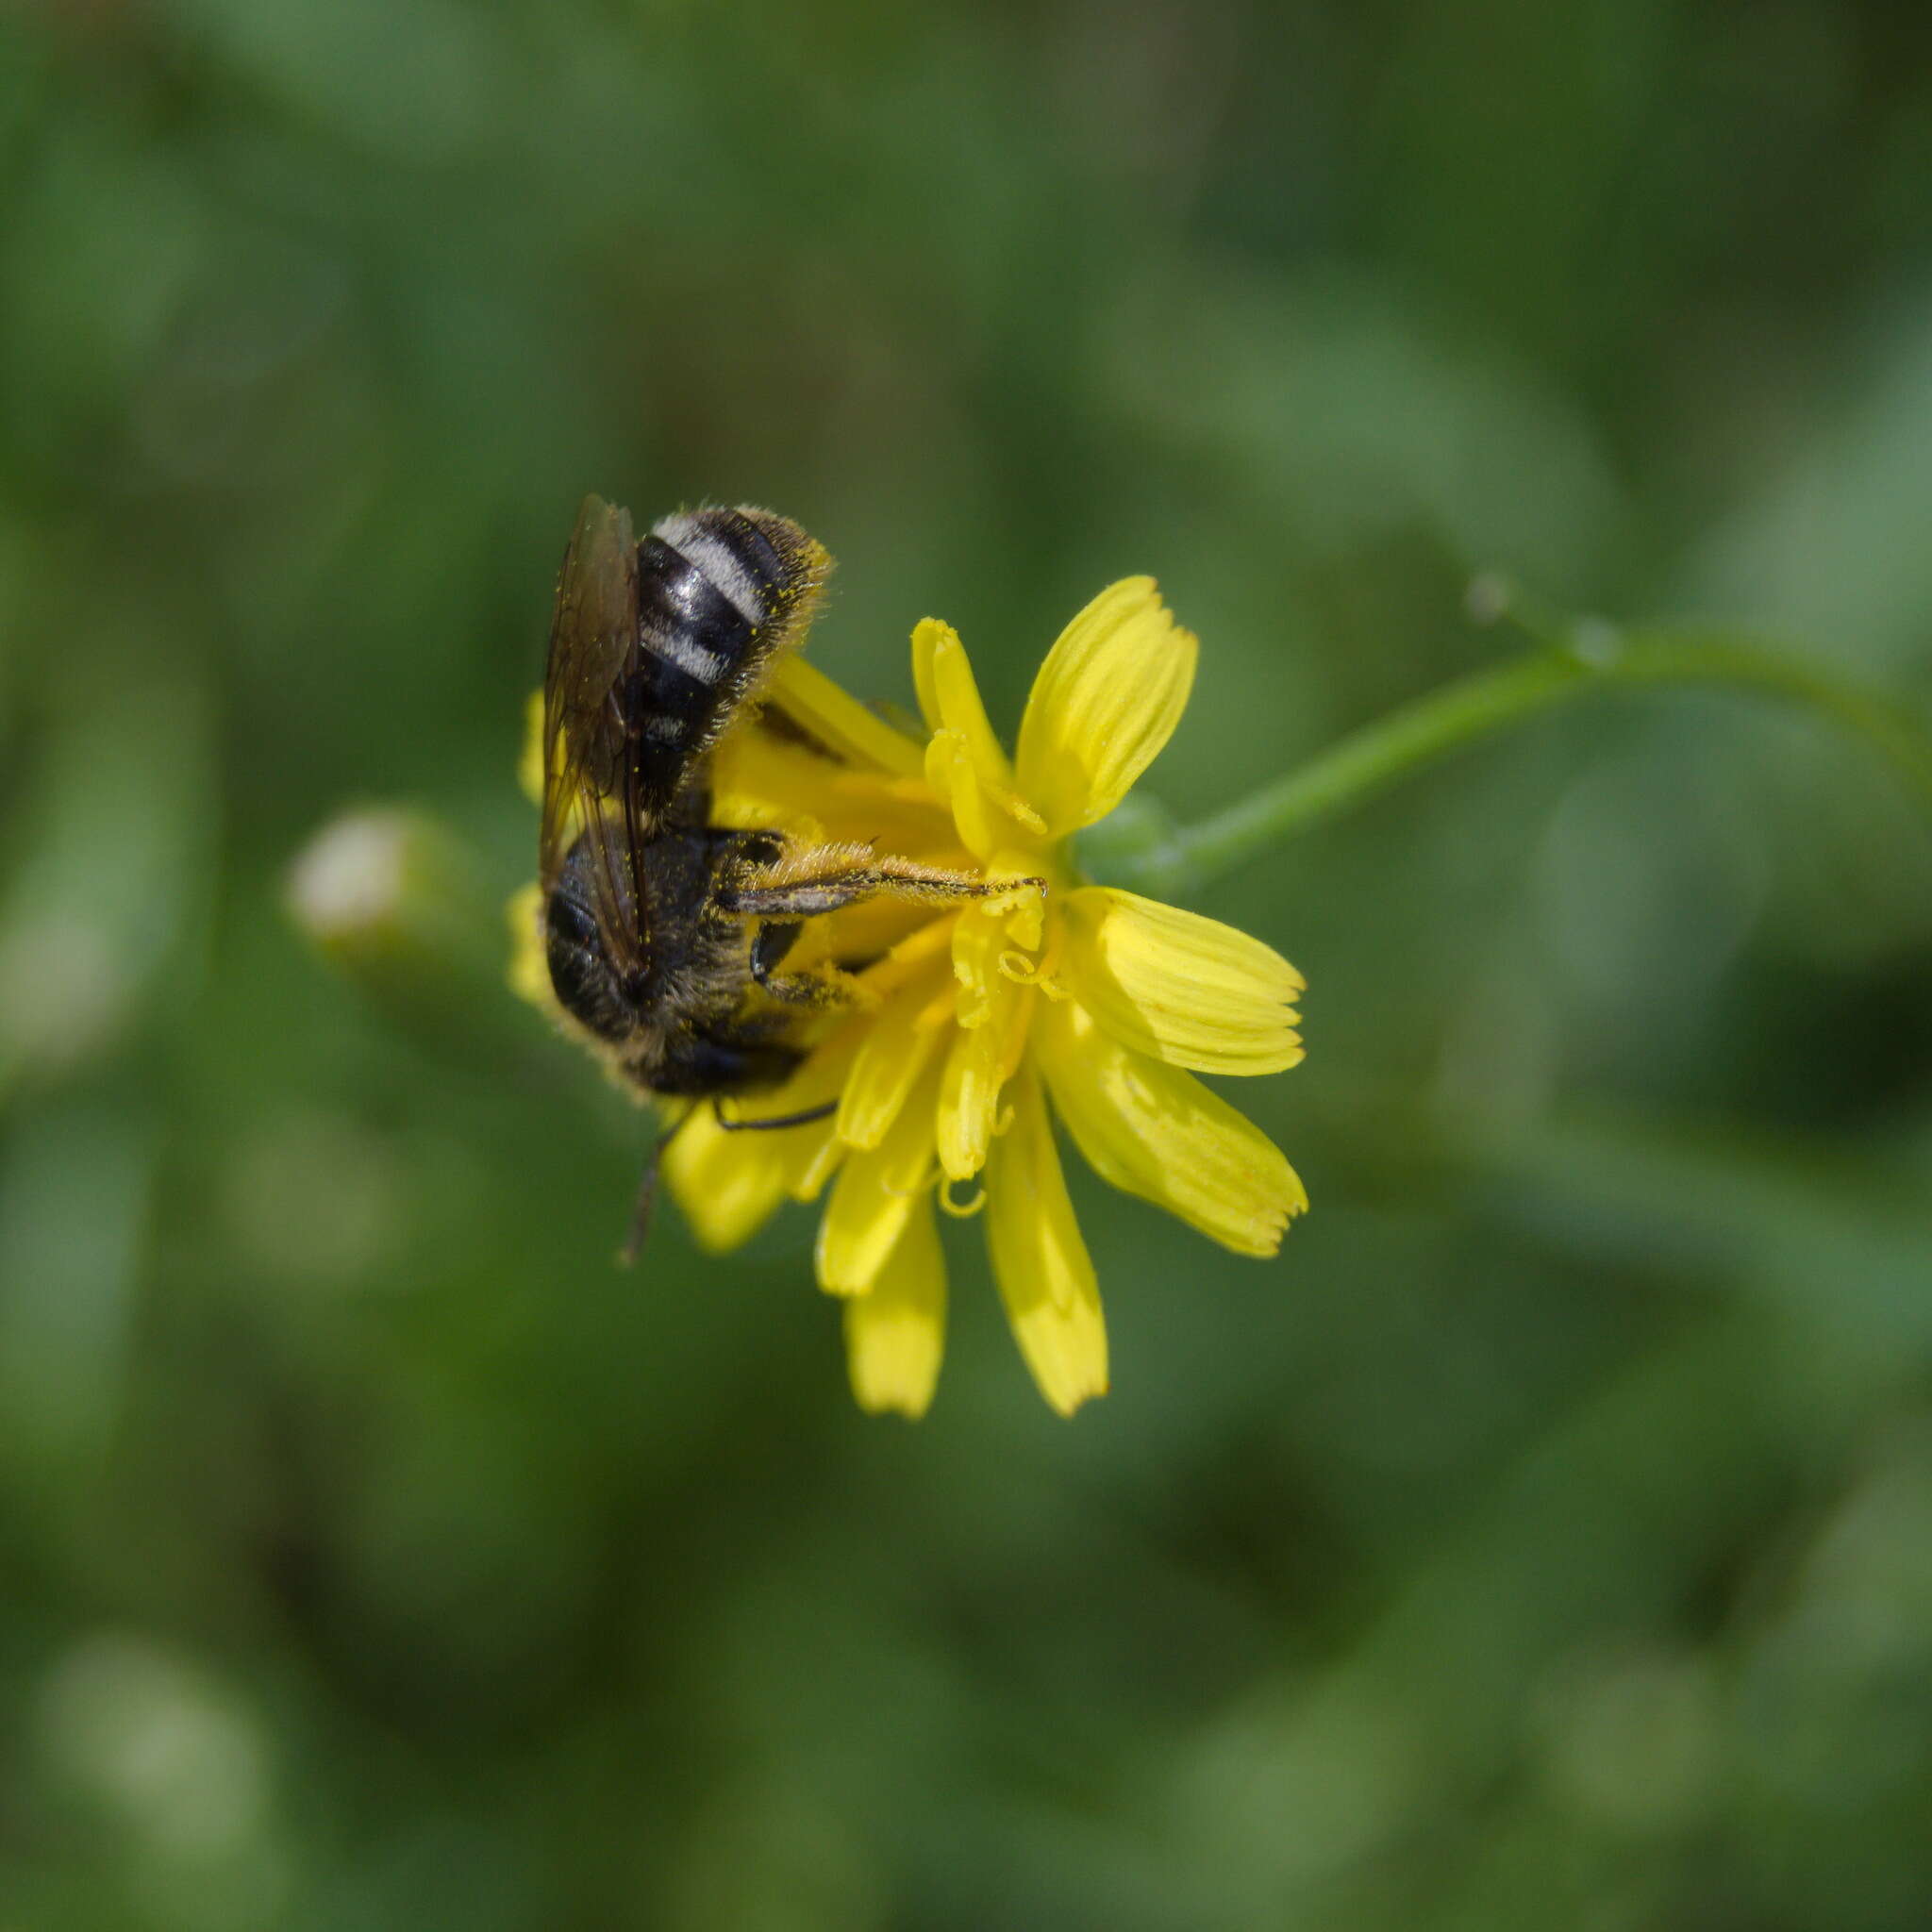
[
  {"x": 896, "y": 1336},
  {"x": 877, "y": 1193},
  {"x": 1188, "y": 990},
  {"x": 1044, "y": 1274},
  {"x": 1157, "y": 1132},
  {"x": 1107, "y": 699}
]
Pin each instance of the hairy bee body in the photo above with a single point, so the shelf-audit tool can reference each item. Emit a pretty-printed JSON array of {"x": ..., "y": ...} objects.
[
  {"x": 677, "y": 1027},
  {"x": 641, "y": 952},
  {"x": 720, "y": 591},
  {"x": 664, "y": 932}
]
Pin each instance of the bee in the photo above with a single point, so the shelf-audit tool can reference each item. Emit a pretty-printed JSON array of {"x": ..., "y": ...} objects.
[{"x": 664, "y": 933}]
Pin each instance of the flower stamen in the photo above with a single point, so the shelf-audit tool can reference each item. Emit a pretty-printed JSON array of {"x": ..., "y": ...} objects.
[{"x": 959, "y": 1211}]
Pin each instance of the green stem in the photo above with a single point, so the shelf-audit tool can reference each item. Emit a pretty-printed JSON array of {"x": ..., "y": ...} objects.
[{"x": 1575, "y": 663}]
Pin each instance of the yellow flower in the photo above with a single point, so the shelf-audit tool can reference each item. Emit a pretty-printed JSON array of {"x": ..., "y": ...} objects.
[{"x": 974, "y": 1028}]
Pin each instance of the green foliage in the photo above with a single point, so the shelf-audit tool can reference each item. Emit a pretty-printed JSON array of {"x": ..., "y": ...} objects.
[{"x": 1544, "y": 1540}]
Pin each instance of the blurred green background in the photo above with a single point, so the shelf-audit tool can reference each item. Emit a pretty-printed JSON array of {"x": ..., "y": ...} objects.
[{"x": 1544, "y": 1540}]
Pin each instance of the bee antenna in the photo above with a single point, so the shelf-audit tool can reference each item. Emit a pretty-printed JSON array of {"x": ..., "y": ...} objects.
[{"x": 647, "y": 1192}]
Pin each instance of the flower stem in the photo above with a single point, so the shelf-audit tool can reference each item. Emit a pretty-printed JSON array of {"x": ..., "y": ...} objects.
[{"x": 1573, "y": 661}]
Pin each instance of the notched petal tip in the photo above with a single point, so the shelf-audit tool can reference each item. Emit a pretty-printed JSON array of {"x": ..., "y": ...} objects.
[
  {"x": 1045, "y": 1275},
  {"x": 895, "y": 1336},
  {"x": 1191, "y": 992},
  {"x": 931, "y": 635},
  {"x": 1107, "y": 699},
  {"x": 1154, "y": 1130}
]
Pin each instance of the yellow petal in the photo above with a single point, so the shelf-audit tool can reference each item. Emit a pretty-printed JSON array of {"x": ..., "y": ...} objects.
[
  {"x": 727, "y": 1180},
  {"x": 1025, "y": 910},
  {"x": 1107, "y": 699},
  {"x": 897, "y": 1047},
  {"x": 805, "y": 1156},
  {"x": 956, "y": 693},
  {"x": 968, "y": 1102},
  {"x": 726, "y": 1185},
  {"x": 964, "y": 764},
  {"x": 531, "y": 760},
  {"x": 986, "y": 1047},
  {"x": 808, "y": 1177},
  {"x": 978, "y": 938},
  {"x": 950, "y": 772},
  {"x": 529, "y": 971},
  {"x": 1190, "y": 990},
  {"x": 896, "y": 1335},
  {"x": 839, "y": 723},
  {"x": 1045, "y": 1277},
  {"x": 949, "y": 695},
  {"x": 877, "y": 1193},
  {"x": 760, "y": 780},
  {"x": 926, "y": 636},
  {"x": 1156, "y": 1132}
]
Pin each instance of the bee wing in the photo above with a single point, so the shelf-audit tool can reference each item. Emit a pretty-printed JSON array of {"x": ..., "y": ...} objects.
[{"x": 589, "y": 780}]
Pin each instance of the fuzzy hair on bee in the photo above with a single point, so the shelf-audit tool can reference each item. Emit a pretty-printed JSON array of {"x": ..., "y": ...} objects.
[{"x": 664, "y": 932}]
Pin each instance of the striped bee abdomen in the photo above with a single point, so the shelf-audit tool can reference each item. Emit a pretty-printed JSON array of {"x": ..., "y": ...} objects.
[{"x": 720, "y": 593}]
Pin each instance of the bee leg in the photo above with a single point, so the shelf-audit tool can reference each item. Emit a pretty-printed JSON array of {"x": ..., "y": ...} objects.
[
  {"x": 823, "y": 1111},
  {"x": 775, "y": 938},
  {"x": 752, "y": 848},
  {"x": 840, "y": 876},
  {"x": 647, "y": 1191},
  {"x": 826, "y": 987}
]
